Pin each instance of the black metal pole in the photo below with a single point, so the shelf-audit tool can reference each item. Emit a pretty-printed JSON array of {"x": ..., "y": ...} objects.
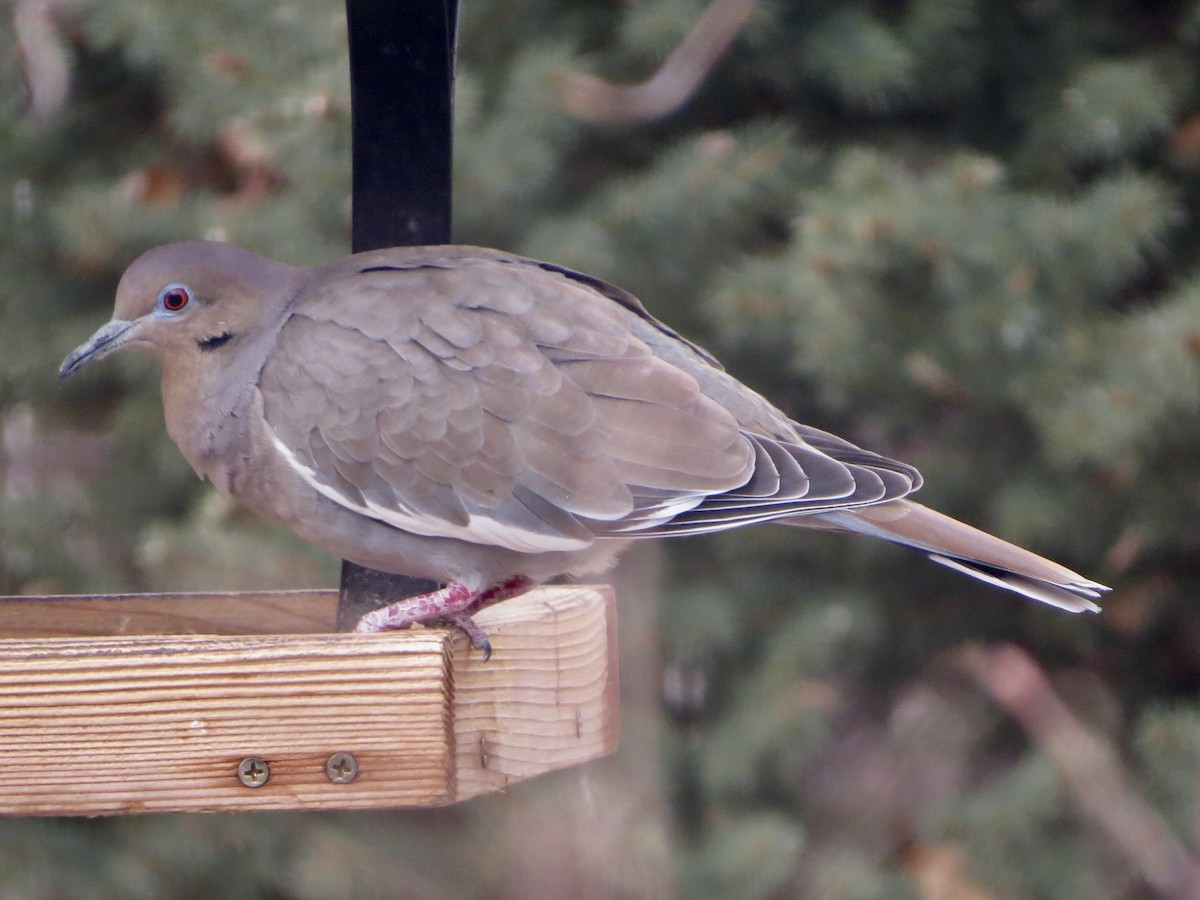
[{"x": 402, "y": 103}]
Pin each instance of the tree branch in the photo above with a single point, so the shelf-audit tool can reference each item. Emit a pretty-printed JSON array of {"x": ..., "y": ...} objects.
[
  {"x": 1089, "y": 766},
  {"x": 588, "y": 97}
]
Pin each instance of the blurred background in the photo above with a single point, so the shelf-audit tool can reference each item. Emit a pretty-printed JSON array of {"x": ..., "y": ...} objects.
[{"x": 960, "y": 232}]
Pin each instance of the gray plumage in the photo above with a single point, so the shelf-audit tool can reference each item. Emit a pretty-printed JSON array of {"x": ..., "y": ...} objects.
[{"x": 473, "y": 417}]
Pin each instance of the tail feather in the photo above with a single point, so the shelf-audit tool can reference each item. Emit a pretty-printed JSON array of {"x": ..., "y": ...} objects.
[
  {"x": 971, "y": 551},
  {"x": 1072, "y": 598}
]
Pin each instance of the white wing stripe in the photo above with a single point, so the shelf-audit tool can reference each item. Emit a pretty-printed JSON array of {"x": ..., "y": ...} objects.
[{"x": 478, "y": 530}]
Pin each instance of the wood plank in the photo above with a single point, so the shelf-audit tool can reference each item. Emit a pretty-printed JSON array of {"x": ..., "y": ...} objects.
[
  {"x": 123, "y": 721},
  {"x": 250, "y": 612},
  {"x": 546, "y": 699}
]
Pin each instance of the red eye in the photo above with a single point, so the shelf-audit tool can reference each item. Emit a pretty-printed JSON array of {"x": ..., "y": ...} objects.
[{"x": 175, "y": 298}]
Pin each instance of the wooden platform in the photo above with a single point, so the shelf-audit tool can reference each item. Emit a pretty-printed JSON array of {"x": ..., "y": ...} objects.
[{"x": 155, "y": 703}]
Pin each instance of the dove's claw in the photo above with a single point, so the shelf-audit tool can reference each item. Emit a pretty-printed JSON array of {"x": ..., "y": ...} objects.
[
  {"x": 453, "y": 604},
  {"x": 476, "y": 635}
]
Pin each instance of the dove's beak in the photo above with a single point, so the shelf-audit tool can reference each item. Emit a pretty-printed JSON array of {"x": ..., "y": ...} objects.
[{"x": 108, "y": 339}]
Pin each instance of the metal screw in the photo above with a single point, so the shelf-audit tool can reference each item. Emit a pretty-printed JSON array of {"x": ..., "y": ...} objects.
[
  {"x": 341, "y": 768},
  {"x": 253, "y": 771}
]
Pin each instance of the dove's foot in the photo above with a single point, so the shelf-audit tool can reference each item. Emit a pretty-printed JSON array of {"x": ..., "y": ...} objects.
[
  {"x": 476, "y": 635},
  {"x": 453, "y": 604}
]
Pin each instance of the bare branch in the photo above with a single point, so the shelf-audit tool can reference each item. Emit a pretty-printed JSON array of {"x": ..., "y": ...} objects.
[
  {"x": 1090, "y": 768},
  {"x": 44, "y": 55},
  {"x": 588, "y": 97}
]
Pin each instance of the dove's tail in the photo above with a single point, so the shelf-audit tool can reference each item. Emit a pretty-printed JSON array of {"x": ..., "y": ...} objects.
[{"x": 970, "y": 551}]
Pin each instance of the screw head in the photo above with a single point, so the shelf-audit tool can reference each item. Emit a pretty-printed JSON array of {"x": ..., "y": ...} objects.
[
  {"x": 341, "y": 768},
  {"x": 253, "y": 771}
]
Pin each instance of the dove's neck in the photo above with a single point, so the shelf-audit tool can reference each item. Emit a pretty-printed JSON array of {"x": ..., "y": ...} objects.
[
  {"x": 209, "y": 408},
  {"x": 207, "y": 420}
]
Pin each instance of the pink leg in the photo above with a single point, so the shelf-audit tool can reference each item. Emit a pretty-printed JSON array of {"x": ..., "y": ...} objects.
[{"x": 453, "y": 604}]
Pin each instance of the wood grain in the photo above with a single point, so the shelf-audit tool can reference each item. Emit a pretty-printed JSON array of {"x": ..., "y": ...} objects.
[
  {"x": 552, "y": 701},
  {"x": 257, "y": 612},
  {"x": 119, "y": 720}
]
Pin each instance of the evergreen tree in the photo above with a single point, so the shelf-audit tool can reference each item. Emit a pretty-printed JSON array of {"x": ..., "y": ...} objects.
[{"x": 960, "y": 232}]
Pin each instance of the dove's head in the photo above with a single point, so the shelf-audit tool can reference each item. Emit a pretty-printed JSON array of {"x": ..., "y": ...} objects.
[{"x": 189, "y": 301}]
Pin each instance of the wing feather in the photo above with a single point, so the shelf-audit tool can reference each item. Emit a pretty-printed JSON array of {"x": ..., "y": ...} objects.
[{"x": 498, "y": 401}]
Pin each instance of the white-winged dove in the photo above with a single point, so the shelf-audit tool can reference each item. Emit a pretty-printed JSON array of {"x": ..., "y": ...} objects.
[{"x": 490, "y": 422}]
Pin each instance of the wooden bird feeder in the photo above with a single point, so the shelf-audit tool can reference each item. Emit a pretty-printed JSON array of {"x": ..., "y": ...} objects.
[
  {"x": 250, "y": 701},
  {"x": 247, "y": 701}
]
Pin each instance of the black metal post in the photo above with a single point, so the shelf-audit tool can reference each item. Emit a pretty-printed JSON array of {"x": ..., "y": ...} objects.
[{"x": 402, "y": 103}]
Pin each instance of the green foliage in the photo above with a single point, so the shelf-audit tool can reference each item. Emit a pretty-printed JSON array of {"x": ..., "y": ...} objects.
[
  {"x": 1167, "y": 746},
  {"x": 1027, "y": 815},
  {"x": 962, "y": 232},
  {"x": 749, "y": 857}
]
